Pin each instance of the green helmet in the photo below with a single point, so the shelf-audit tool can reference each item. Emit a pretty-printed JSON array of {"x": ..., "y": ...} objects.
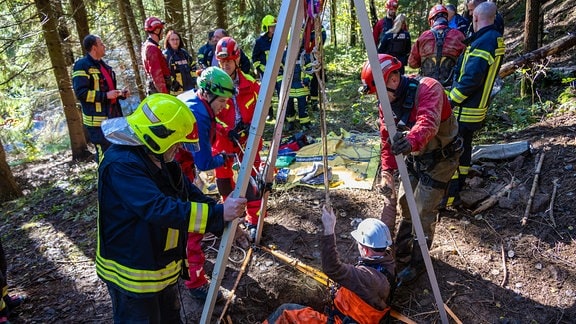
[
  {"x": 217, "y": 82},
  {"x": 162, "y": 120},
  {"x": 268, "y": 21}
]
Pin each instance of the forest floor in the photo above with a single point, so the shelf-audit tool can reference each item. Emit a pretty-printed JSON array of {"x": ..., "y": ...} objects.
[{"x": 490, "y": 268}]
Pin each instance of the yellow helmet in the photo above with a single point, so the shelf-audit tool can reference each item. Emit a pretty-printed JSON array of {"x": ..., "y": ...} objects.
[
  {"x": 268, "y": 21},
  {"x": 162, "y": 120}
]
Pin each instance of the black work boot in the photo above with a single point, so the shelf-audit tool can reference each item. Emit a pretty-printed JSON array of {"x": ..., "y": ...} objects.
[{"x": 415, "y": 268}]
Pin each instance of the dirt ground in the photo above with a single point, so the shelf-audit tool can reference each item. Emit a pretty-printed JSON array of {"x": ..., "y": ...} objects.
[{"x": 490, "y": 268}]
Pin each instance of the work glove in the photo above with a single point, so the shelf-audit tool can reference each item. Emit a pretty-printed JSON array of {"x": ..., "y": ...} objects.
[
  {"x": 387, "y": 185},
  {"x": 401, "y": 144},
  {"x": 328, "y": 220},
  {"x": 306, "y": 82},
  {"x": 238, "y": 132}
]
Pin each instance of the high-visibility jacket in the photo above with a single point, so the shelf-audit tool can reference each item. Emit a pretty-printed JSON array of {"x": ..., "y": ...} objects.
[
  {"x": 90, "y": 88},
  {"x": 155, "y": 65},
  {"x": 475, "y": 74},
  {"x": 239, "y": 109},
  {"x": 260, "y": 52},
  {"x": 182, "y": 69},
  {"x": 143, "y": 220}
]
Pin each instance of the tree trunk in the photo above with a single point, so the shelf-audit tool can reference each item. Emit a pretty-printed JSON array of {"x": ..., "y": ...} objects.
[
  {"x": 135, "y": 28},
  {"x": 221, "y": 13},
  {"x": 142, "y": 16},
  {"x": 81, "y": 20},
  {"x": 63, "y": 32},
  {"x": 187, "y": 32},
  {"x": 531, "y": 25},
  {"x": 174, "y": 14},
  {"x": 557, "y": 46},
  {"x": 353, "y": 23},
  {"x": 48, "y": 20},
  {"x": 8, "y": 187},
  {"x": 333, "y": 15},
  {"x": 124, "y": 7},
  {"x": 373, "y": 13}
]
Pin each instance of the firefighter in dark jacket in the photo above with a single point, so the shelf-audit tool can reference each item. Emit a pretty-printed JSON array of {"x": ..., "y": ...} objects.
[
  {"x": 363, "y": 290},
  {"x": 146, "y": 209},
  {"x": 94, "y": 84},
  {"x": 262, "y": 49},
  {"x": 474, "y": 78}
]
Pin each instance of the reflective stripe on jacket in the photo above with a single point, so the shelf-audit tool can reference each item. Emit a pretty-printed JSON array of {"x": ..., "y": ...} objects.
[
  {"x": 476, "y": 72},
  {"x": 90, "y": 88},
  {"x": 143, "y": 220}
]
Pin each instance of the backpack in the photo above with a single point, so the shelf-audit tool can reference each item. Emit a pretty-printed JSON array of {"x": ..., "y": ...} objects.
[{"x": 439, "y": 67}]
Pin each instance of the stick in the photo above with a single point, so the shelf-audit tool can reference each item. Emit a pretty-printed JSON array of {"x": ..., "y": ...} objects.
[
  {"x": 533, "y": 190},
  {"x": 451, "y": 313},
  {"x": 493, "y": 199},
  {"x": 503, "y": 282},
  {"x": 551, "y": 207},
  {"x": 233, "y": 291}
]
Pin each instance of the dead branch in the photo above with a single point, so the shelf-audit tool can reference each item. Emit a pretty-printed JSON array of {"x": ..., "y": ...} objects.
[
  {"x": 233, "y": 291},
  {"x": 493, "y": 199},
  {"x": 551, "y": 207},
  {"x": 556, "y": 46},
  {"x": 505, "y": 278},
  {"x": 533, "y": 190}
]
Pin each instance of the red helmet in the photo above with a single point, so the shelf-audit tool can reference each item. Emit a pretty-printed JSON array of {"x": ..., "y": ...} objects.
[
  {"x": 391, "y": 4},
  {"x": 435, "y": 12},
  {"x": 153, "y": 23},
  {"x": 227, "y": 49},
  {"x": 388, "y": 63}
]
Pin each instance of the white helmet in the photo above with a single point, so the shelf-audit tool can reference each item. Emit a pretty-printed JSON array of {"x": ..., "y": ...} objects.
[{"x": 372, "y": 233}]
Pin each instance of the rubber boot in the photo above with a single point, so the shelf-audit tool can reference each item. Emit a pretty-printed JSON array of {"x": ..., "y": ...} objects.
[
  {"x": 416, "y": 266},
  {"x": 404, "y": 241}
]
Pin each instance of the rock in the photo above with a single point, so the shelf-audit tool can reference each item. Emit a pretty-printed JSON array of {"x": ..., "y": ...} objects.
[
  {"x": 540, "y": 203},
  {"x": 473, "y": 196},
  {"x": 506, "y": 203},
  {"x": 476, "y": 182}
]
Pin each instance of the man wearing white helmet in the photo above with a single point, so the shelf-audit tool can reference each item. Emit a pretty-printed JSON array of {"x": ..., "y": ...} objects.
[{"x": 363, "y": 288}]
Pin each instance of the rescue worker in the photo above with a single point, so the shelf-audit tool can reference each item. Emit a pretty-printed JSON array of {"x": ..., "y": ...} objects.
[
  {"x": 299, "y": 91},
  {"x": 209, "y": 56},
  {"x": 362, "y": 289},
  {"x": 436, "y": 51},
  {"x": 204, "y": 55},
  {"x": 232, "y": 128},
  {"x": 155, "y": 65},
  {"x": 182, "y": 65},
  {"x": 474, "y": 78},
  {"x": 146, "y": 207},
  {"x": 384, "y": 24},
  {"x": 396, "y": 41},
  {"x": 455, "y": 20},
  {"x": 94, "y": 84},
  {"x": 427, "y": 135},
  {"x": 498, "y": 20},
  {"x": 215, "y": 87},
  {"x": 262, "y": 49}
]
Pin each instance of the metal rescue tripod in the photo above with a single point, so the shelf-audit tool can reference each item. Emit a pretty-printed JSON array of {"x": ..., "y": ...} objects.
[{"x": 291, "y": 16}]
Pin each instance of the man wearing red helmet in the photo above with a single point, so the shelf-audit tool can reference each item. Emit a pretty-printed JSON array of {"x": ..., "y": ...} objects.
[
  {"x": 233, "y": 127},
  {"x": 154, "y": 61},
  {"x": 387, "y": 22},
  {"x": 437, "y": 49},
  {"x": 427, "y": 135}
]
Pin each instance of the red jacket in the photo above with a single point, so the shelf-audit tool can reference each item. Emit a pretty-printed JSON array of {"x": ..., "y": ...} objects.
[
  {"x": 155, "y": 65},
  {"x": 430, "y": 108},
  {"x": 245, "y": 101},
  {"x": 425, "y": 46}
]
